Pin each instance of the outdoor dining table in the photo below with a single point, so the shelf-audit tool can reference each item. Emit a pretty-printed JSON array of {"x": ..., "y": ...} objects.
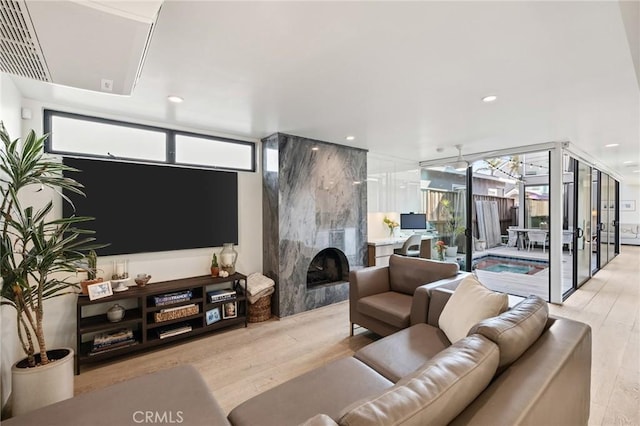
[{"x": 521, "y": 232}]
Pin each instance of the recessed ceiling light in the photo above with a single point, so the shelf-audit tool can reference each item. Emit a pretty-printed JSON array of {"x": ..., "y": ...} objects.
[
  {"x": 612, "y": 145},
  {"x": 636, "y": 171},
  {"x": 315, "y": 148},
  {"x": 627, "y": 162},
  {"x": 175, "y": 99},
  {"x": 350, "y": 138},
  {"x": 489, "y": 98}
]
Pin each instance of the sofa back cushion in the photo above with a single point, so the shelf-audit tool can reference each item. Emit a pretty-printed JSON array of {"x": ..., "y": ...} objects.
[
  {"x": 408, "y": 273},
  {"x": 470, "y": 303},
  {"x": 436, "y": 393},
  {"x": 516, "y": 329}
]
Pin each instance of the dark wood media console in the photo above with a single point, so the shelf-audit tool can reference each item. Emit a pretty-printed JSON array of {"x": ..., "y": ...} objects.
[{"x": 141, "y": 310}]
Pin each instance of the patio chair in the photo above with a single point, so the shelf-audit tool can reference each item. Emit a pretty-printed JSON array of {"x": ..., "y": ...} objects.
[
  {"x": 567, "y": 238},
  {"x": 537, "y": 237}
]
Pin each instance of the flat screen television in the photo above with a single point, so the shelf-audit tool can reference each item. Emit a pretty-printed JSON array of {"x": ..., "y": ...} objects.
[
  {"x": 413, "y": 221},
  {"x": 149, "y": 208}
]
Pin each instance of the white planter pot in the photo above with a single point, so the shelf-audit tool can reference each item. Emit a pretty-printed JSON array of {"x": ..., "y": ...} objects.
[
  {"x": 452, "y": 251},
  {"x": 32, "y": 388}
]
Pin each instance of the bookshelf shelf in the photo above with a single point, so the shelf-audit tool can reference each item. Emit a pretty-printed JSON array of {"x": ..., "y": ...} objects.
[{"x": 139, "y": 315}]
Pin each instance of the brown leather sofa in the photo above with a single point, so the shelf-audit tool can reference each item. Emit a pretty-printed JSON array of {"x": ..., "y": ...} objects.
[
  {"x": 386, "y": 299},
  {"x": 522, "y": 367}
]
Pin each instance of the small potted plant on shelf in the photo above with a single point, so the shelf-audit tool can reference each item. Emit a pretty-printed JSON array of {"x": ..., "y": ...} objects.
[
  {"x": 92, "y": 270},
  {"x": 215, "y": 269},
  {"x": 38, "y": 258}
]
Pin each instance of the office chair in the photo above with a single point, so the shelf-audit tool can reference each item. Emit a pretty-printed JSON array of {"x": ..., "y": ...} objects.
[{"x": 411, "y": 247}]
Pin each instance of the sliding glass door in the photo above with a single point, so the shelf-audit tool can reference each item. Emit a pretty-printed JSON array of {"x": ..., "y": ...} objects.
[
  {"x": 612, "y": 225},
  {"x": 595, "y": 221},
  {"x": 444, "y": 197},
  {"x": 581, "y": 235},
  {"x": 604, "y": 219}
]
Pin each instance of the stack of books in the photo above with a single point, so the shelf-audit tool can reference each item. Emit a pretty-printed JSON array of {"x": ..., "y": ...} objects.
[
  {"x": 170, "y": 298},
  {"x": 176, "y": 312},
  {"x": 111, "y": 340},
  {"x": 174, "y": 330},
  {"x": 223, "y": 295}
]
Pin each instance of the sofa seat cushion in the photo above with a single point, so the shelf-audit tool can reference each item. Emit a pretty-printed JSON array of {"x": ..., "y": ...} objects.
[
  {"x": 177, "y": 395},
  {"x": 436, "y": 393},
  {"x": 402, "y": 353},
  {"x": 516, "y": 329},
  {"x": 390, "y": 307},
  {"x": 470, "y": 303},
  {"x": 408, "y": 273},
  {"x": 328, "y": 390}
]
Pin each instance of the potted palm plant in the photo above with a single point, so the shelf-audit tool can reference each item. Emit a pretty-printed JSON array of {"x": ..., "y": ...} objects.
[
  {"x": 452, "y": 226},
  {"x": 38, "y": 257}
]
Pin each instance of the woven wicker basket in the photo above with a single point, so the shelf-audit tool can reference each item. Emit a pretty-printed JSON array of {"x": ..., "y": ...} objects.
[{"x": 261, "y": 310}]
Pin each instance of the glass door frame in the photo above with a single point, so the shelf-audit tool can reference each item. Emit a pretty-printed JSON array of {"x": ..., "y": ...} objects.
[{"x": 578, "y": 220}]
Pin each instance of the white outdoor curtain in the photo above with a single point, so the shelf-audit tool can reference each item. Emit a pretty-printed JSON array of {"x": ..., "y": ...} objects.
[{"x": 488, "y": 222}]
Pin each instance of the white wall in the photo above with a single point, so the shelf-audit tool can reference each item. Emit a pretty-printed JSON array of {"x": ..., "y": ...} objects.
[
  {"x": 60, "y": 320},
  {"x": 630, "y": 193},
  {"x": 10, "y": 352}
]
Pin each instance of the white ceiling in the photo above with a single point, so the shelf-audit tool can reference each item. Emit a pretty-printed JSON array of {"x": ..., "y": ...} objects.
[{"x": 404, "y": 78}]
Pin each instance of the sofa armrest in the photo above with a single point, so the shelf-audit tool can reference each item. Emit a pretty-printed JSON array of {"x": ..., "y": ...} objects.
[
  {"x": 320, "y": 420},
  {"x": 368, "y": 281},
  {"x": 438, "y": 298},
  {"x": 421, "y": 303}
]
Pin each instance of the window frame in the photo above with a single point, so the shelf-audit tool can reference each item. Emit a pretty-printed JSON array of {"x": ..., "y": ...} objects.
[{"x": 170, "y": 146}]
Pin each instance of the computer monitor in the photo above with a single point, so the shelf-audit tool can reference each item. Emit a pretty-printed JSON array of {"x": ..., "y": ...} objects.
[{"x": 413, "y": 221}]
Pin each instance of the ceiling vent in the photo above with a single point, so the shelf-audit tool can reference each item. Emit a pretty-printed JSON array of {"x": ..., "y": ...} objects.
[
  {"x": 20, "y": 52},
  {"x": 92, "y": 45}
]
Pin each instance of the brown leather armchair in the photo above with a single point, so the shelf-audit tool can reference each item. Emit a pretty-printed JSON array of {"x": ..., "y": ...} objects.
[{"x": 386, "y": 299}]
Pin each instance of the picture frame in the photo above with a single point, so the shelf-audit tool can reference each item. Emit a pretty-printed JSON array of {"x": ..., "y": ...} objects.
[
  {"x": 100, "y": 290},
  {"x": 213, "y": 315},
  {"x": 229, "y": 310},
  {"x": 628, "y": 205}
]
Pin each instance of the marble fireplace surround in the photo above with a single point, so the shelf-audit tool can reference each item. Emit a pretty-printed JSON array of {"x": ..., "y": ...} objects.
[{"x": 314, "y": 197}]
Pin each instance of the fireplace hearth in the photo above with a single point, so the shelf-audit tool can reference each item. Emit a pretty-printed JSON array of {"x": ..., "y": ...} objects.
[{"x": 329, "y": 267}]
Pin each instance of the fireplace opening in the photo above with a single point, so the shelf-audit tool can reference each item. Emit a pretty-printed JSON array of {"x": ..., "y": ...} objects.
[{"x": 329, "y": 266}]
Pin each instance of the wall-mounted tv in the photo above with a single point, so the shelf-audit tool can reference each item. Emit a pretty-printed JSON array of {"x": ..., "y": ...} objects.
[
  {"x": 149, "y": 208},
  {"x": 413, "y": 221}
]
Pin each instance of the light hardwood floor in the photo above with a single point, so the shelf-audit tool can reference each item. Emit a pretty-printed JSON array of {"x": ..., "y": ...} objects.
[{"x": 240, "y": 363}]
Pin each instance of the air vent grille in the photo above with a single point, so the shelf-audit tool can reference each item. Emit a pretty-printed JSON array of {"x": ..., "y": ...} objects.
[{"x": 20, "y": 52}]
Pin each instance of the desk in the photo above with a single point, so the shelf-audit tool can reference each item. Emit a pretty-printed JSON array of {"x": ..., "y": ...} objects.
[{"x": 379, "y": 250}]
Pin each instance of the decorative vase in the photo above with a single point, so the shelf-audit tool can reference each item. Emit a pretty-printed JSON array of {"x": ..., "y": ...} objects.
[
  {"x": 115, "y": 313},
  {"x": 228, "y": 257},
  {"x": 441, "y": 255},
  {"x": 36, "y": 387}
]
